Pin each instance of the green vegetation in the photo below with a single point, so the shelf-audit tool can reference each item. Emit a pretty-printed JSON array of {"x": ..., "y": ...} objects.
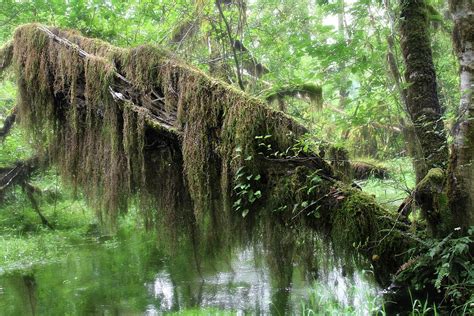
[
  {"x": 392, "y": 191},
  {"x": 159, "y": 143},
  {"x": 26, "y": 242}
]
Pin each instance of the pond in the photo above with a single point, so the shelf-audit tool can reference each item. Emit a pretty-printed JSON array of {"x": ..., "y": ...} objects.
[{"x": 138, "y": 274}]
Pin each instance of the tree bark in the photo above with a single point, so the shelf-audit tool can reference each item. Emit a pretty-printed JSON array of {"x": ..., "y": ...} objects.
[
  {"x": 461, "y": 170},
  {"x": 412, "y": 143},
  {"x": 423, "y": 106},
  {"x": 423, "y": 103}
]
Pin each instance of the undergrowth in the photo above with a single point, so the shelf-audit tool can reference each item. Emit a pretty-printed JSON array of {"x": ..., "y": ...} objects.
[
  {"x": 443, "y": 269},
  {"x": 392, "y": 191},
  {"x": 25, "y": 241}
]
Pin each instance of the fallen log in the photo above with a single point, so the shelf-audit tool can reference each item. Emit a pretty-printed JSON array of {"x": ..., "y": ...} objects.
[
  {"x": 363, "y": 170},
  {"x": 16, "y": 174},
  {"x": 126, "y": 124}
]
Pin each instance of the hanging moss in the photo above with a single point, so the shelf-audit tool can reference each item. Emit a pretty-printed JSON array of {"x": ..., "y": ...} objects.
[
  {"x": 339, "y": 158},
  {"x": 6, "y": 54},
  {"x": 350, "y": 220},
  {"x": 140, "y": 126},
  {"x": 311, "y": 92}
]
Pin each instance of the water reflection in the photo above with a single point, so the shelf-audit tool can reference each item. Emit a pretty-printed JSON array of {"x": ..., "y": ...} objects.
[
  {"x": 243, "y": 288},
  {"x": 139, "y": 276}
]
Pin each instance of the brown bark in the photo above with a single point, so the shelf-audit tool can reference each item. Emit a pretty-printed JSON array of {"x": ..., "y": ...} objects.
[{"x": 461, "y": 170}]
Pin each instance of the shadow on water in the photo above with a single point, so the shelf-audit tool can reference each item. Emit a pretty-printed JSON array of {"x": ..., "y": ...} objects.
[{"x": 151, "y": 273}]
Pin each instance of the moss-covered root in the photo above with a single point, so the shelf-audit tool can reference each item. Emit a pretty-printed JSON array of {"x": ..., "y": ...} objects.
[{"x": 431, "y": 197}]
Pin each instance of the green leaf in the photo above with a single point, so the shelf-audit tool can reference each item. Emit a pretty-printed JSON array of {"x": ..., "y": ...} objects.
[{"x": 238, "y": 202}]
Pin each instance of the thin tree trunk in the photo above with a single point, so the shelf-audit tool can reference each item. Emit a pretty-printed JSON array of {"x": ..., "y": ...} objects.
[
  {"x": 461, "y": 170},
  {"x": 343, "y": 93}
]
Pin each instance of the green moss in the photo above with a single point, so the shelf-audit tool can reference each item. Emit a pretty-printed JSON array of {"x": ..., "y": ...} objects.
[
  {"x": 357, "y": 214},
  {"x": 307, "y": 90},
  {"x": 434, "y": 178},
  {"x": 431, "y": 196},
  {"x": 6, "y": 54},
  {"x": 118, "y": 152}
]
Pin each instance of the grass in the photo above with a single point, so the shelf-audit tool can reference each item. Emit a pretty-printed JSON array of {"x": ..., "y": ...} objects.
[
  {"x": 323, "y": 301},
  {"x": 21, "y": 252},
  {"x": 357, "y": 299}
]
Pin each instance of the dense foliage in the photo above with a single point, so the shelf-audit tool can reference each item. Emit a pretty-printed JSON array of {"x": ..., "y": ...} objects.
[{"x": 334, "y": 66}]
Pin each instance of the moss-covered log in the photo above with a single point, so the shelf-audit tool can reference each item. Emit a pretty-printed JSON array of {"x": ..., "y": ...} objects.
[
  {"x": 16, "y": 174},
  {"x": 140, "y": 125},
  {"x": 8, "y": 124},
  {"x": 363, "y": 170}
]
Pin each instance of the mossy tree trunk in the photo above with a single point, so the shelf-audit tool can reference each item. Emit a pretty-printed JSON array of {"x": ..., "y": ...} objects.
[
  {"x": 461, "y": 175},
  {"x": 422, "y": 98}
]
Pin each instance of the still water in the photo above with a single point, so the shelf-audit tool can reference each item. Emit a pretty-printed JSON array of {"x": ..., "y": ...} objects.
[{"x": 136, "y": 275}]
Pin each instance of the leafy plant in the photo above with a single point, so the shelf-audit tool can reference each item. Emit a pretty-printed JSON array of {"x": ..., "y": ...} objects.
[
  {"x": 445, "y": 265},
  {"x": 245, "y": 190}
]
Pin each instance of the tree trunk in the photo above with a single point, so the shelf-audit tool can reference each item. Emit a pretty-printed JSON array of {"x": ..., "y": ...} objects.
[
  {"x": 461, "y": 175},
  {"x": 423, "y": 104},
  {"x": 412, "y": 143},
  {"x": 422, "y": 98}
]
